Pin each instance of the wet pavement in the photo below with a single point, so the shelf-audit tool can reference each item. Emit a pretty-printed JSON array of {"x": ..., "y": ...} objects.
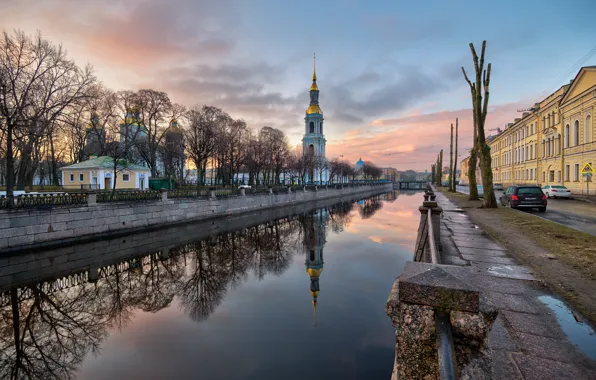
[
  {"x": 536, "y": 335},
  {"x": 578, "y": 214}
]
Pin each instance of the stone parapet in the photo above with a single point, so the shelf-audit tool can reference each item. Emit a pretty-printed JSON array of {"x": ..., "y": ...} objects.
[{"x": 417, "y": 295}]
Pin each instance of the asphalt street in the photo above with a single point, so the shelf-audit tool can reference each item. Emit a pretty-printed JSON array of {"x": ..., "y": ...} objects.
[{"x": 576, "y": 214}]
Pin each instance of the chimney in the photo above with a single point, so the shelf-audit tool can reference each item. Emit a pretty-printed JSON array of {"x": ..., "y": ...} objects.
[{"x": 525, "y": 114}]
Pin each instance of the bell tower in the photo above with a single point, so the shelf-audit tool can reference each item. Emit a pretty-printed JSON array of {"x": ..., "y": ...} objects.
[{"x": 313, "y": 142}]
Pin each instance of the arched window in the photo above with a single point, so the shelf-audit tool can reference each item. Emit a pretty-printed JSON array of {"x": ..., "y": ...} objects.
[
  {"x": 559, "y": 144},
  {"x": 566, "y": 137},
  {"x": 321, "y": 128},
  {"x": 543, "y": 148},
  {"x": 311, "y": 150},
  {"x": 576, "y": 133},
  {"x": 588, "y": 130},
  {"x": 312, "y": 127}
]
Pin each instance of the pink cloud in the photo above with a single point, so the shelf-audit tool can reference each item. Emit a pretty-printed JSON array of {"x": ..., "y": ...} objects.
[{"x": 413, "y": 141}]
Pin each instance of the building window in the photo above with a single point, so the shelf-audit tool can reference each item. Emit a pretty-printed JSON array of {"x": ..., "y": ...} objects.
[
  {"x": 588, "y": 130},
  {"x": 566, "y": 137},
  {"x": 543, "y": 149},
  {"x": 125, "y": 177},
  {"x": 71, "y": 177},
  {"x": 576, "y": 133},
  {"x": 559, "y": 176},
  {"x": 321, "y": 127},
  {"x": 576, "y": 172},
  {"x": 543, "y": 177},
  {"x": 551, "y": 176},
  {"x": 81, "y": 177},
  {"x": 566, "y": 172},
  {"x": 312, "y": 127}
]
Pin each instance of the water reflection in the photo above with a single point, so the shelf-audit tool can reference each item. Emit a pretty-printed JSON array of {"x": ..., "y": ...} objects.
[{"x": 48, "y": 328}]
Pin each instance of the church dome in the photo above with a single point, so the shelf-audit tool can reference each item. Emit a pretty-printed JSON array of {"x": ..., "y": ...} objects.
[
  {"x": 314, "y": 108},
  {"x": 360, "y": 162},
  {"x": 313, "y": 272}
]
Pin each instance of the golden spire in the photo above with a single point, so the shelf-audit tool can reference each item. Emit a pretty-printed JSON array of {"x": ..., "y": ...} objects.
[
  {"x": 314, "y": 68},
  {"x": 314, "y": 305}
]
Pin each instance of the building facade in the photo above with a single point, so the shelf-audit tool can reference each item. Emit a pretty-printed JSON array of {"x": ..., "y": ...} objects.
[
  {"x": 550, "y": 143},
  {"x": 97, "y": 173},
  {"x": 313, "y": 142}
]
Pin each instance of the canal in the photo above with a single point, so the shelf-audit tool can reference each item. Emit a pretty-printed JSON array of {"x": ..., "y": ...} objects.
[{"x": 293, "y": 298}]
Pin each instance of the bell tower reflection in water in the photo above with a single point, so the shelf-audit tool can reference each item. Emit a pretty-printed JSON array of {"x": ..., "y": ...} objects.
[{"x": 314, "y": 240}]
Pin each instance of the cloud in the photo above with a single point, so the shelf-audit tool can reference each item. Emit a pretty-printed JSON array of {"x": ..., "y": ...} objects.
[{"x": 413, "y": 141}]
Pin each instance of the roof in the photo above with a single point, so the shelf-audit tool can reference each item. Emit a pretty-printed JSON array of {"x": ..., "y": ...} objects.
[{"x": 104, "y": 162}]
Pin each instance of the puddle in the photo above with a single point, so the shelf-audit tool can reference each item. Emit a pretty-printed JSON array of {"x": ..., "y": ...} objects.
[{"x": 579, "y": 333}]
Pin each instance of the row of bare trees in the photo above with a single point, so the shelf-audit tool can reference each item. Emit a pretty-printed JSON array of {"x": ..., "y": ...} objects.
[
  {"x": 480, "y": 152},
  {"x": 53, "y": 113}
]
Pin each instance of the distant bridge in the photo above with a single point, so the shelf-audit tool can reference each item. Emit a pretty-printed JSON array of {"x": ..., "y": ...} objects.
[{"x": 411, "y": 185}]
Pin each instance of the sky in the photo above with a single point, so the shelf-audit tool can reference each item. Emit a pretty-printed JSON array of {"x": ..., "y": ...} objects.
[{"x": 389, "y": 72}]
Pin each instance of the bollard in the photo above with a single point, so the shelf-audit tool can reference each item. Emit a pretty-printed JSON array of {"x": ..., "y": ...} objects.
[
  {"x": 212, "y": 192},
  {"x": 270, "y": 191},
  {"x": 316, "y": 188},
  {"x": 242, "y": 192},
  {"x": 164, "y": 194},
  {"x": 289, "y": 189}
]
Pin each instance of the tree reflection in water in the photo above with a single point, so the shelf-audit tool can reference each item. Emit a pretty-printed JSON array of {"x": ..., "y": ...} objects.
[
  {"x": 369, "y": 207},
  {"x": 47, "y": 334}
]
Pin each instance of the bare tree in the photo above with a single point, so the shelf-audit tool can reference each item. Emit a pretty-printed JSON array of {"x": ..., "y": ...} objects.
[
  {"x": 454, "y": 186},
  {"x": 451, "y": 174},
  {"x": 480, "y": 94},
  {"x": 37, "y": 83},
  {"x": 201, "y": 137}
]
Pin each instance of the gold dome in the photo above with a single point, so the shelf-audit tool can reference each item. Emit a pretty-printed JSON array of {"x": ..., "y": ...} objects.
[
  {"x": 314, "y": 272},
  {"x": 314, "y": 108},
  {"x": 314, "y": 87}
]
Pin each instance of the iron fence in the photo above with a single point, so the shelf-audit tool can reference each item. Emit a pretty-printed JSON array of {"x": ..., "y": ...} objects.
[
  {"x": 43, "y": 200},
  {"x": 128, "y": 196},
  {"x": 188, "y": 193}
]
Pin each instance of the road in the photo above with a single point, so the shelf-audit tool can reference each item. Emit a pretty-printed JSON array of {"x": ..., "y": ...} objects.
[{"x": 576, "y": 214}]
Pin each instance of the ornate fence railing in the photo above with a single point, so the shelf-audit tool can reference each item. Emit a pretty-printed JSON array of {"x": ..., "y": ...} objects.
[
  {"x": 48, "y": 200},
  {"x": 128, "y": 196},
  {"x": 43, "y": 200}
]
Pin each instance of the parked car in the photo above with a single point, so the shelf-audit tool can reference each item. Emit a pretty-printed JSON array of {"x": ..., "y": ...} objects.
[
  {"x": 244, "y": 187},
  {"x": 498, "y": 187},
  {"x": 524, "y": 197},
  {"x": 556, "y": 191}
]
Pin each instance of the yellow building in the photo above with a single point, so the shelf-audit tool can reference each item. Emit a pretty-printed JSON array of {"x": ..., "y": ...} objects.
[
  {"x": 98, "y": 174},
  {"x": 551, "y": 142}
]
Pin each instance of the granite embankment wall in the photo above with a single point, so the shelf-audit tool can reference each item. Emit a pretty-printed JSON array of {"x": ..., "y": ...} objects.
[
  {"x": 26, "y": 268},
  {"x": 27, "y": 229}
]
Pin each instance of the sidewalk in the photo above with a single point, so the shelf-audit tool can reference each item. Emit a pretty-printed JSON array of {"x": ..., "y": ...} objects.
[{"x": 535, "y": 335}]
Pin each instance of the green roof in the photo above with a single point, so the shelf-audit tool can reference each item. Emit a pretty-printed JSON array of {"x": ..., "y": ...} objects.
[{"x": 104, "y": 162}]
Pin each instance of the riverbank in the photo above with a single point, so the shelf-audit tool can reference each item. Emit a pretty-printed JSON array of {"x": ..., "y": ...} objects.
[
  {"x": 563, "y": 258},
  {"x": 44, "y": 228}
]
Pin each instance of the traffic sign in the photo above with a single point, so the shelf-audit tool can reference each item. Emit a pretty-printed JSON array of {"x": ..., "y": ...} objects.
[{"x": 587, "y": 168}]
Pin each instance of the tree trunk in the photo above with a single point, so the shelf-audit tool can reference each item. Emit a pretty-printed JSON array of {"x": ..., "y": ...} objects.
[
  {"x": 450, "y": 184},
  {"x": 455, "y": 161},
  {"x": 9, "y": 165}
]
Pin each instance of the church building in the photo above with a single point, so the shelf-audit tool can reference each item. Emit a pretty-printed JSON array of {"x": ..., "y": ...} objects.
[{"x": 313, "y": 142}]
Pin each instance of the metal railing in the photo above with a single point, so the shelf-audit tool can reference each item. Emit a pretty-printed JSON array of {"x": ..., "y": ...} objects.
[
  {"x": 128, "y": 196},
  {"x": 427, "y": 250},
  {"x": 432, "y": 244},
  {"x": 43, "y": 200}
]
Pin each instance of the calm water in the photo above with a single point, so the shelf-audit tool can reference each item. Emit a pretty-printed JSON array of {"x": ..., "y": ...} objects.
[{"x": 297, "y": 298}]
